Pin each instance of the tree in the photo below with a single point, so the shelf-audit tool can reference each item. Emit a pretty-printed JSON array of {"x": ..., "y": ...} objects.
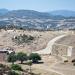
[
  {"x": 12, "y": 58},
  {"x": 34, "y": 57},
  {"x": 22, "y": 57}
]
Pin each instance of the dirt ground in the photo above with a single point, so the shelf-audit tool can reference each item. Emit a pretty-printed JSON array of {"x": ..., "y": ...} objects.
[
  {"x": 51, "y": 66},
  {"x": 40, "y": 41},
  {"x": 67, "y": 40},
  {"x": 45, "y": 67}
]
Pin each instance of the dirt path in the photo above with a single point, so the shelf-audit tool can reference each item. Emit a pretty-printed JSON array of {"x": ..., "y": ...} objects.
[{"x": 48, "y": 49}]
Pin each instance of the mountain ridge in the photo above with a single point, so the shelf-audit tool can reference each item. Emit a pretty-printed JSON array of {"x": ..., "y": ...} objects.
[
  {"x": 65, "y": 13},
  {"x": 30, "y": 19}
]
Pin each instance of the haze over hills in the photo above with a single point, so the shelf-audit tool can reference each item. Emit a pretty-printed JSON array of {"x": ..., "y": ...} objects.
[
  {"x": 3, "y": 11},
  {"x": 65, "y": 13},
  {"x": 30, "y": 19}
]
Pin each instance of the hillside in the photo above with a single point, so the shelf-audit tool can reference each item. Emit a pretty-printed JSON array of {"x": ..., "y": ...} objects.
[
  {"x": 3, "y": 11},
  {"x": 40, "y": 39},
  {"x": 67, "y": 40},
  {"x": 30, "y": 19}
]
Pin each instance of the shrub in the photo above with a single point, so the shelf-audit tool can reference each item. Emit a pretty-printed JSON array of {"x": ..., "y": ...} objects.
[
  {"x": 73, "y": 60},
  {"x": 65, "y": 61},
  {"x": 34, "y": 57},
  {"x": 16, "y": 67},
  {"x": 29, "y": 63},
  {"x": 23, "y": 39},
  {"x": 12, "y": 58},
  {"x": 12, "y": 73},
  {"x": 1, "y": 65},
  {"x": 31, "y": 38}
]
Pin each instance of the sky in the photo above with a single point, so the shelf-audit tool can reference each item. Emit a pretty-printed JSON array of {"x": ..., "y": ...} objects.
[{"x": 38, "y": 5}]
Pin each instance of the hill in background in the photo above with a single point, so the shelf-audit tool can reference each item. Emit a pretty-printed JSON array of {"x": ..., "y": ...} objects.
[{"x": 30, "y": 19}]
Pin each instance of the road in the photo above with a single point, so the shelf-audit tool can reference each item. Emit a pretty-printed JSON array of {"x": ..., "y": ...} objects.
[{"x": 48, "y": 49}]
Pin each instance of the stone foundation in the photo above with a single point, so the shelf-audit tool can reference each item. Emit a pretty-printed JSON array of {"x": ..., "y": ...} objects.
[{"x": 63, "y": 50}]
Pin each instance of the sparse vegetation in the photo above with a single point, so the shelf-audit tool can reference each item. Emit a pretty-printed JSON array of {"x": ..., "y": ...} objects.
[
  {"x": 65, "y": 61},
  {"x": 1, "y": 65},
  {"x": 27, "y": 66},
  {"x": 12, "y": 73},
  {"x": 3, "y": 69},
  {"x": 23, "y": 39},
  {"x": 16, "y": 67}
]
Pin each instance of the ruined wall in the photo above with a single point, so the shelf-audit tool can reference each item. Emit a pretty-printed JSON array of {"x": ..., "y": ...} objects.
[
  {"x": 59, "y": 50},
  {"x": 73, "y": 52},
  {"x": 63, "y": 50}
]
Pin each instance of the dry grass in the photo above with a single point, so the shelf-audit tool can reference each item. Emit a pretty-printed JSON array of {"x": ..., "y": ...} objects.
[
  {"x": 67, "y": 40},
  {"x": 40, "y": 42}
]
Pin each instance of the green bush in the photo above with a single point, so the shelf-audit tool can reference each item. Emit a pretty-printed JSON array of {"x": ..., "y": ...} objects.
[
  {"x": 29, "y": 63},
  {"x": 34, "y": 57},
  {"x": 22, "y": 57},
  {"x": 12, "y": 58},
  {"x": 16, "y": 67},
  {"x": 12, "y": 73},
  {"x": 23, "y": 39}
]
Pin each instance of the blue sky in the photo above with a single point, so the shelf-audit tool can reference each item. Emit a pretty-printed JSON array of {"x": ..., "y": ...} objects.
[{"x": 38, "y": 5}]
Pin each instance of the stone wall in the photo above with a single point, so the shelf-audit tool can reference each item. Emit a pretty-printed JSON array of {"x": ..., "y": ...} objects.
[
  {"x": 63, "y": 50},
  {"x": 59, "y": 50},
  {"x": 73, "y": 53}
]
